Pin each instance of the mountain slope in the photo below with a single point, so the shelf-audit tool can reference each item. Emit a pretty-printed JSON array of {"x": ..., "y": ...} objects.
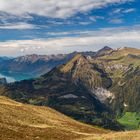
[
  {"x": 26, "y": 122},
  {"x": 77, "y": 89},
  {"x": 130, "y": 135},
  {"x": 4, "y": 58},
  {"x": 31, "y": 66},
  {"x": 93, "y": 90},
  {"x": 104, "y": 51}
]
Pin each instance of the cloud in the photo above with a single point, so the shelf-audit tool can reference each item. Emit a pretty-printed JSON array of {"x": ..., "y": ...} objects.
[
  {"x": 84, "y": 23},
  {"x": 95, "y": 18},
  {"x": 116, "y": 21},
  {"x": 87, "y": 41},
  {"x": 19, "y": 26},
  {"x": 129, "y": 10},
  {"x": 53, "y": 8},
  {"x": 123, "y": 11}
]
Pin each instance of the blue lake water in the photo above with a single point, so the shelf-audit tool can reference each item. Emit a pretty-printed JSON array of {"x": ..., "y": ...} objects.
[
  {"x": 9, "y": 79},
  {"x": 12, "y": 77}
]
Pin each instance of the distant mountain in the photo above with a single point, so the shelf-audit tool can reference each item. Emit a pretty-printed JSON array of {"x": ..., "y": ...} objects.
[
  {"x": 4, "y": 58},
  {"x": 104, "y": 51},
  {"x": 3, "y": 81},
  {"x": 95, "y": 90},
  {"x": 35, "y": 65}
]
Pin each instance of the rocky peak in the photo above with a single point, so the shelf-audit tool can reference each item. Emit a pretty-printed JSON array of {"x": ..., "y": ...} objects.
[
  {"x": 27, "y": 58},
  {"x": 105, "y": 50},
  {"x": 76, "y": 61}
]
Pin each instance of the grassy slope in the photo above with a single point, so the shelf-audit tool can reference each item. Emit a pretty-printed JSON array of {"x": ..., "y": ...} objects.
[
  {"x": 130, "y": 120},
  {"x": 27, "y": 122},
  {"x": 122, "y": 57},
  {"x": 130, "y": 135}
]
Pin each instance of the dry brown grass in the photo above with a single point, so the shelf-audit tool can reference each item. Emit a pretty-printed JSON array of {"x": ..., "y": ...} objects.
[
  {"x": 133, "y": 135},
  {"x": 26, "y": 122}
]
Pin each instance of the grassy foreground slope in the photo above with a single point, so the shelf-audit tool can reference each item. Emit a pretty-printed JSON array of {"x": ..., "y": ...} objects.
[
  {"x": 26, "y": 122},
  {"x": 130, "y": 135}
]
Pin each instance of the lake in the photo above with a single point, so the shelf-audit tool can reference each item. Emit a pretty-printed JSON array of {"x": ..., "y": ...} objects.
[{"x": 12, "y": 77}]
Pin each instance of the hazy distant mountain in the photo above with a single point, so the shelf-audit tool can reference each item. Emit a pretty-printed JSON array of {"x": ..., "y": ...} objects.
[
  {"x": 4, "y": 58},
  {"x": 35, "y": 65},
  {"x": 104, "y": 51},
  {"x": 3, "y": 81}
]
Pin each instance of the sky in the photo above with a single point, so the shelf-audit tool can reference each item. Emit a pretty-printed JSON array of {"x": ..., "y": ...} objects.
[{"x": 64, "y": 26}]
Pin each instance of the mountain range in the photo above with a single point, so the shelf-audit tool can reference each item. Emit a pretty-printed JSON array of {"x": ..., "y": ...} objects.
[
  {"x": 34, "y": 65},
  {"x": 98, "y": 89}
]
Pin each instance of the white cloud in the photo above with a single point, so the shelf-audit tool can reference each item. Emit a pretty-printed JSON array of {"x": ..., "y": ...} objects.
[
  {"x": 95, "y": 18},
  {"x": 20, "y": 25},
  {"x": 84, "y": 23},
  {"x": 123, "y": 11},
  {"x": 129, "y": 10},
  {"x": 53, "y": 8},
  {"x": 88, "y": 41},
  {"x": 116, "y": 21}
]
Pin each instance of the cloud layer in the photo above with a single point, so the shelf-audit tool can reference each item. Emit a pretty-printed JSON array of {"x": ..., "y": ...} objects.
[
  {"x": 53, "y": 8},
  {"x": 19, "y": 25},
  {"x": 87, "y": 41}
]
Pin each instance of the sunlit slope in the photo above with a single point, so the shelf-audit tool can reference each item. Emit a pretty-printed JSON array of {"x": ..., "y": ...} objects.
[
  {"x": 27, "y": 122},
  {"x": 130, "y": 135}
]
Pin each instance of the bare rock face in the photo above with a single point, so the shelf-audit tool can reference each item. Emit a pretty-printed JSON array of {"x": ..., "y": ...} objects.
[
  {"x": 3, "y": 81},
  {"x": 103, "y": 94}
]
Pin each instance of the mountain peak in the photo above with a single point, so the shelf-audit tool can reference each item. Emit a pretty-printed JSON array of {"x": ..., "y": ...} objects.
[
  {"x": 105, "y": 50},
  {"x": 76, "y": 60}
]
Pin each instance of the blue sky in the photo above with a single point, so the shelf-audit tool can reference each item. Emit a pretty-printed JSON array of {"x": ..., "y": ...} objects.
[{"x": 52, "y": 26}]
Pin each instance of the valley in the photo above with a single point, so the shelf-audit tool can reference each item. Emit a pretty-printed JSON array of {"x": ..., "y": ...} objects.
[{"x": 15, "y": 76}]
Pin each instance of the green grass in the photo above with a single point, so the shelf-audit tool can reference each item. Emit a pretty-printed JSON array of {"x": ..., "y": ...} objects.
[{"x": 131, "y": 120}]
